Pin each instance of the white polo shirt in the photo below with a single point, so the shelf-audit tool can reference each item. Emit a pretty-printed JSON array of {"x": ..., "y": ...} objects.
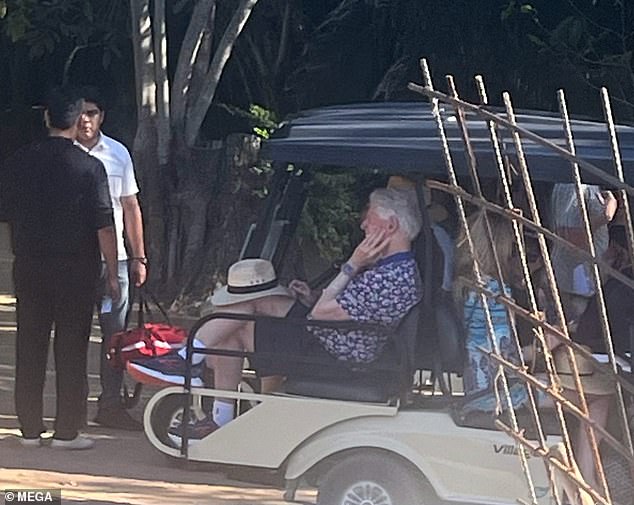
[{"x": 121, "y": 179}]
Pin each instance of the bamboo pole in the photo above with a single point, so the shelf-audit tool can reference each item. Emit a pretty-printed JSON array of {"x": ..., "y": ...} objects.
[
  {"x": 482, "y": 112},
  {"x": 476, "y": 268}
]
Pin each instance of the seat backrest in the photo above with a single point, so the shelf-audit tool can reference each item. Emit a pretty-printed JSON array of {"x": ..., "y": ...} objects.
[
  {"x": 450, "y": 335},
  {"x": 440, "y": 343},
  {"x": 406, "y": 338}
]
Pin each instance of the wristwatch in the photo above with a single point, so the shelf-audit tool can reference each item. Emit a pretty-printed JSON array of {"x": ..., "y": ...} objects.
[{"x": 348, "y": 269}]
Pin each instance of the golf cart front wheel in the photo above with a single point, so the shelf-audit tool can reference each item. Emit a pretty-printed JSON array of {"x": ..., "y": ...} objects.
[{"x": 371, "y": 479}]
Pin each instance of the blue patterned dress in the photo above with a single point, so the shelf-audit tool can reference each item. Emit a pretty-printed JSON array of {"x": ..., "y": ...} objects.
[{"x": 480, "y": 369}]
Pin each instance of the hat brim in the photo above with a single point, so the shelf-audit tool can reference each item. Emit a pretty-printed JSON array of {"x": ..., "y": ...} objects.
[
  {"x": 222, "y": 297},
  {"x": 595, "y": 384}
]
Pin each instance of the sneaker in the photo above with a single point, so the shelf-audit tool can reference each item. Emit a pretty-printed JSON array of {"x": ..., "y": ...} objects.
[
  {"x": 79, "y": 443},
  {"x": 164, "y": 370},
  {"x": 31, "y": 442},
  {"x": 117, "y": 418},
  {"x": 196, "y": 431}
]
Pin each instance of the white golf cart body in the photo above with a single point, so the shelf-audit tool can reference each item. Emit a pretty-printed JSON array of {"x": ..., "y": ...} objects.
[
  {"x": 421, "y": 449},
  {"x": 389, "y": 452}
]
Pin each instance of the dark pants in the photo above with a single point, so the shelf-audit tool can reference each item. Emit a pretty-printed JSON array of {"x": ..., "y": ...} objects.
[
  {"x": 112, "y": 322},
  {"x": 57, "y": 292}
]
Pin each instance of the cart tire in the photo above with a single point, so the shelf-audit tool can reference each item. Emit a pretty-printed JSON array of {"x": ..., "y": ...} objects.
[
  {"x": 372, "y": 479},
  {"x": 170, "y": 411}
]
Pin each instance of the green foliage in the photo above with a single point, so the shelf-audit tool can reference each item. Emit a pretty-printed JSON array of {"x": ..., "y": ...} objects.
[
  {"x": 333, "y": 209},
  {"x": 514, "y": 8},
  {"x": 45, "y": 25},
  {"x": 265, "y": 121},
  {"x": 588, "y": 42}
]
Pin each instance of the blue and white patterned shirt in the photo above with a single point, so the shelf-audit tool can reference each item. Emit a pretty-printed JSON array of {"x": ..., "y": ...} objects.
[{"x": 382, "y": 294}]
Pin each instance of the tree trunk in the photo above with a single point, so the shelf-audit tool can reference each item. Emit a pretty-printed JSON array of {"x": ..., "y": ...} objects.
[
  {"x": 222, "y": 53},
  {"x": 182, "y": 206},
  {"x": 162, "y": 83},
  {"x": 203, "y": 57},
  {"x": 144, "y": 75},
  {"x": 186, "y": 58},
  {"x": 145, "y": 140},
  {"x": 215, "y": 218}
]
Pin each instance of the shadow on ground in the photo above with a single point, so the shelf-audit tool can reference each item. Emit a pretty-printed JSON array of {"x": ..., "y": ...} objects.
[{"x": 123, "y": 468}]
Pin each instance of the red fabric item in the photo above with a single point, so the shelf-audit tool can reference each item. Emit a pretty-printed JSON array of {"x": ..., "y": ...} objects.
[{"x": 153, "y": 339}]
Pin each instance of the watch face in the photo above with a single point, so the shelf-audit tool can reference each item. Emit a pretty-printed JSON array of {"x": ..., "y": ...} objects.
[{"x": 347, "y": 269}]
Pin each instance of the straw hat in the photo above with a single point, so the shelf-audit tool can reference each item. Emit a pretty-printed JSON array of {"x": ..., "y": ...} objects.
[
  {"x": 593, "y": 381},
  {"x": 247, "y": 280}
]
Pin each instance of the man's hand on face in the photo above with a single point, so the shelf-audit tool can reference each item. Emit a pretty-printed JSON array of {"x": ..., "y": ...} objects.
[{"x": 370, "y": 249}]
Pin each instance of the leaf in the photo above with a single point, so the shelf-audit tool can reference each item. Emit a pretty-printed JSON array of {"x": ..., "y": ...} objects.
[
  {"x": 65, "y": 30},
  {"x": 17, "y": 27},
  {"x": 36, "y": 52},
  {"x": 537, "y": 40},
  {"x": 577, "y": 30},
  {"x": 49, "y": 43},
  {"x": 115, "y": 51},
  {"x": 88, "y": 12}
]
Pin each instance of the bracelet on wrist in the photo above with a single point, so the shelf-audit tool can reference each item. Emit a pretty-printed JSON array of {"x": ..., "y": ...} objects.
[{"x": 140, "y": 259}]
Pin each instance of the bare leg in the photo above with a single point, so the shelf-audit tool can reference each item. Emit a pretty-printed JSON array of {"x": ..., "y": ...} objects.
[
  {"x": 597, "y": 411},
  {"x": 228, "y": 370},
  {"x": 234, "y": 335}
]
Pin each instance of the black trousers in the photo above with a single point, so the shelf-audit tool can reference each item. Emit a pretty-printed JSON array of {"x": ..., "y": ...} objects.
[{"x": 53, "y": 292}]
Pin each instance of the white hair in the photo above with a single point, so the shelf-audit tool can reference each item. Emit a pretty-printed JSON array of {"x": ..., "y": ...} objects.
[{"x": 400, "y": 203}]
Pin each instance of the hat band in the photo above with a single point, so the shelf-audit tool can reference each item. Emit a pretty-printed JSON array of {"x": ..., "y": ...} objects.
[
  {"x": 580, "y": 374},
  {"x": 243, "y": 290}
]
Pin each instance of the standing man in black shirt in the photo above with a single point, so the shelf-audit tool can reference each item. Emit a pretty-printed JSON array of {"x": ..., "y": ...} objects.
[{"x": 56, "y": 199}]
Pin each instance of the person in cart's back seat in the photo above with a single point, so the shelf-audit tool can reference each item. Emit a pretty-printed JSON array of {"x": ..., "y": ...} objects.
[{"x": 380, "y": 283}]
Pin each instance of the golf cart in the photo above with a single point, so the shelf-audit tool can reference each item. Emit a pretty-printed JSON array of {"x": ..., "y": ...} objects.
[{"x": 394, "y": 432}]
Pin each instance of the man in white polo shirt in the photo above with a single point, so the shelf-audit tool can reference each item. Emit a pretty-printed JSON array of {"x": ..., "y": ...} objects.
[{"x": 129, "y": 224}]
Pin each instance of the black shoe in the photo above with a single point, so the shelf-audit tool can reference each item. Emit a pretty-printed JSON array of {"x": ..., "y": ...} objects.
[
  {"x": 117, "y": 418},
  {"x": 196, "y": 431}
]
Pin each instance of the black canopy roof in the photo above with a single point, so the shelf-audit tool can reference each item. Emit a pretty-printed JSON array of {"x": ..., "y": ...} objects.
[{"x": 402, "y": 137}]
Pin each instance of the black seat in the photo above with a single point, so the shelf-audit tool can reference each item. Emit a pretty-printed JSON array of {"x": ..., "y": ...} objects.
[
  {"x": 440, "y": 346},
  {"x": 382, "y": 381}
]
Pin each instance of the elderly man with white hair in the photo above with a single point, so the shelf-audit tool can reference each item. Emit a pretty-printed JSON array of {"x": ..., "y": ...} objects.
[{"x": 378, "y": 284}]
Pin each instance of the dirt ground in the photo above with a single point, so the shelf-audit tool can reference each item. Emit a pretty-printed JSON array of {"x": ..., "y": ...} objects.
[{"x": 123, "y": 467}]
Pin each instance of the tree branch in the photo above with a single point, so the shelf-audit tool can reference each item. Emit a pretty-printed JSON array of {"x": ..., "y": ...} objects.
[
  {"x": 162, "y": 83},
  {"x": 186, "y": 58},
  {"x": 221, "y": 56},
  {"x": 143, "y": 70},
  {"x": 203, "y": 55},
  {"x": 281, "y": 52}
]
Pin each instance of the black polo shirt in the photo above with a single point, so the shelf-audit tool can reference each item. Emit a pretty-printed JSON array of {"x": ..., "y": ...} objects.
[{"x": 56, "y": 197}]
